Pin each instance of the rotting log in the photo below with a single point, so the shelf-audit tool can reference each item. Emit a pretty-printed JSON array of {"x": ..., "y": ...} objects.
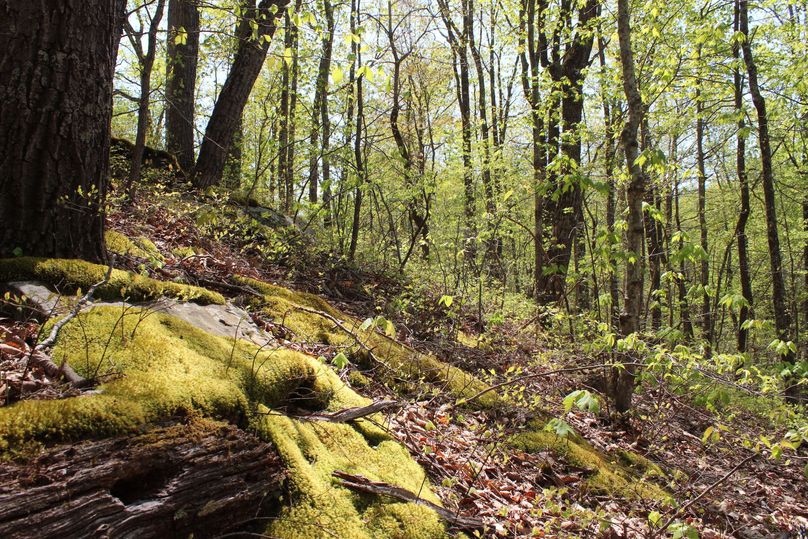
[{"x": 202, "y": 479}]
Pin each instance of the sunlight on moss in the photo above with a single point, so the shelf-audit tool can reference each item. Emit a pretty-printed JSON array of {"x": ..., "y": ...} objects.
[
  {"x": 404, "y": 362},
  {"x": 163, "y": 367},
  {"x": 70, "y": 275},
  {"x": 614, "y": 478}
]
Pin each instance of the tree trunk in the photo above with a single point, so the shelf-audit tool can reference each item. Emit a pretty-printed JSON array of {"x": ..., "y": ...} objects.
[
  {"x": 146, "y": 61},
  {"x": 782, "y": 316},
  {"x": 236, "y": 90},
  {"x": 357, "y": 142},
  {"x": 203, "y": 479},
  {"x": 706, "y": 313},
  {"x": 56, "y": 68},
  {"x": 319, "y": 111},
  {"x": 743, "y": 180},
  {"x": 630, "y": 318},
  {"x": 181, "y": 63}
]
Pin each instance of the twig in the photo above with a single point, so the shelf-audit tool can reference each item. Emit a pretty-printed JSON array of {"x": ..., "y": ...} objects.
[{"x": 363, "y": 484}]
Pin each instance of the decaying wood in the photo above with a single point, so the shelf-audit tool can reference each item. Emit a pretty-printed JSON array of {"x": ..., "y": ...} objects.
[
  {"x": 352, "y": 414},
  {"x": 205, "y": 479},
  {"x": 363, "y": 484}
]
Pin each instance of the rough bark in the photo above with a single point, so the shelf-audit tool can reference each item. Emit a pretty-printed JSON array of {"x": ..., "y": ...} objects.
[
  {"x": 319, "y": 111},
  {"x": 181, "y": 65},
  {"x": 236, "y": 90},
  {"x": 203, "y": 479},
  {"x": 56, "y": 66}
]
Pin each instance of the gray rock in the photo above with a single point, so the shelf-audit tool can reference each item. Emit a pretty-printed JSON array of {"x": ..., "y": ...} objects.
[
  {"x": 223, "y": 320},
  {"x": 40, "y": 302}
]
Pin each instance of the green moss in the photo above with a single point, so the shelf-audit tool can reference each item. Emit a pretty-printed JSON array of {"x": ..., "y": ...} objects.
[
  {"x": 319, "y": 508},
  {"x": 608, "y": 476},
  {"x": 404, "y": 362},
  {"x": 357, "y": 379},
  {"x": 163, "y": 367},
  {"x": 78, "y": 274},
  {"x": 141, "y": 247}
]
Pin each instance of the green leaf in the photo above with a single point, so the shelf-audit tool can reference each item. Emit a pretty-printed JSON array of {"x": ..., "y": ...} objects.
[
  {"x": 560, "y": 427},
  {"x": 340, "y": 361},
  {"x": 446, "y": 301},
  {"x": 655, "y": 518},
  {"x": 336, "y": 75}
]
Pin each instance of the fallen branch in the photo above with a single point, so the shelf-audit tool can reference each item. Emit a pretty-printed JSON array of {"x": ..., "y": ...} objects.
[
  {"x": 352, "y": 414},
  {"x": 363, "y": 484},
  {"x": 703, "y": 493}
]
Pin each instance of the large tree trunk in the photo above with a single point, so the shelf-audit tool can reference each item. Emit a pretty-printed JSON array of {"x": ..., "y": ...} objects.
[
  {"x": 782, "y": 316},
  {"x": 182, "y": 56},
  {"x": 630, "y": 318},
  {"x": 203, "y": 479},
  {"x": 224, "y": 120},
  {"x": 56, "y": 67}
]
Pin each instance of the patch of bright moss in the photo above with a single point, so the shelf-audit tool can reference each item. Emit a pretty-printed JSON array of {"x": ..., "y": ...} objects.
[
  {"x": 282, "y": 304},
  {"x": 319, "y": 508},
  {"x": 79, "y": 274},
  {"x": 608, "y": 476}
]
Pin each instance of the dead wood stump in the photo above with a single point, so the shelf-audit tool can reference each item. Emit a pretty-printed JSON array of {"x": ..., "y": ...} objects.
[{"x": 203, "y": 478}]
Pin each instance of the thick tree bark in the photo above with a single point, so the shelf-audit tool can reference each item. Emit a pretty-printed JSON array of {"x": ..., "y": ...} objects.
[
  {"x": 782, "y": 315},
  {"x": 202, "y": 479},
  {"x": 229, "y": 106},
  {"x": 56, "y": 67},
  {"x": 356, "y": 82},
  {"x": 630, "y": 318},
  {"x": 182, "y": 57}
]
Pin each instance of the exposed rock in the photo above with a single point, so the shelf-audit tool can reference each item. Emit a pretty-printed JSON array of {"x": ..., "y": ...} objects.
[{"x": 223, "y": 320}]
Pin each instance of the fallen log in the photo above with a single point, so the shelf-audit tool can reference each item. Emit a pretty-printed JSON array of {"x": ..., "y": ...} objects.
[
  {"x": 363, "y": 484},
  {"x": 201, "y": 479}
]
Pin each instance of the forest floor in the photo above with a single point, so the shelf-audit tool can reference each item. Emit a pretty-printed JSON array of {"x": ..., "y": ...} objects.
[{"x": 717, "y": 489}]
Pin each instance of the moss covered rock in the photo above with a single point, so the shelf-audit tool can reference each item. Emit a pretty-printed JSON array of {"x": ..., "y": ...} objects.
[
  {"x": 141, "y": 247},
  {"x": 284, "y": 306},
  {"x": 70, "y": 275},
  {"x": 159, "y": 366}
]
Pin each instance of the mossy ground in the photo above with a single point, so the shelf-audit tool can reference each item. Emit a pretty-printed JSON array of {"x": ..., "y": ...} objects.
[
  {"x": 163, "y": 367},
  {"x": 71, "y": 275},
  {"x": 626, "y": 475}
]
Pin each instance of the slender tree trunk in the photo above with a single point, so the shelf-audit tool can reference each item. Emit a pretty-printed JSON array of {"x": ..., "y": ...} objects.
[
  {"x": 292, "y": 120},
  {"x": 782, "y": 316},
  {"x": 229, "y": 106},
  {"x": 54, "y": 125},
  {"x": 630, "y": 318},
  {"x": 743, "y": 180},
  {"x": 146, "y": 60},
  {"x": 182, "y": 56},
  {"x": 706, "y": 312},
  {"x": 357, "y": 142},
  {"x": 320, "y": 102}
]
